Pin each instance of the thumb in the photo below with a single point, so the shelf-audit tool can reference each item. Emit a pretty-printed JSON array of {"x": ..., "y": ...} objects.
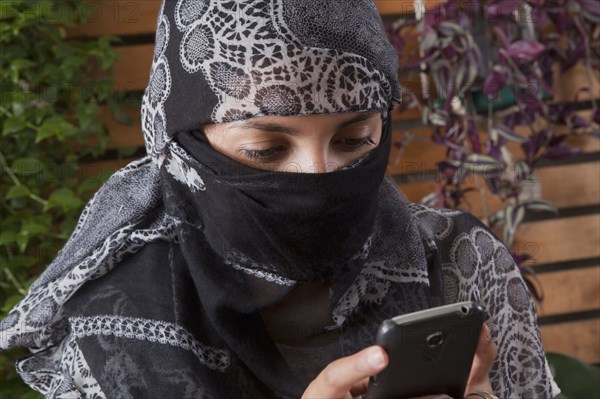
[{"x": 483, "y": 360}]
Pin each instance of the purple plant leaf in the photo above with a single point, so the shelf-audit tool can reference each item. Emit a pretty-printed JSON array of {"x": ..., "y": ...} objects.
[
  {"x": 388, "y": 27},
  {"x": 501, "y": 7},
  {"x": 483, "y": 164},
  {"x": 577, "y": 122},
  {"x": 559, "y": 113},
  {"x": 573, "y": 56},
  {"x": 446, "y": 169},
  {"x": 494, "y": 82},
  {"x": 507, "y": 133},
  {"x": 473, "y": 136},
  {"x": 561, "y": 20},
  {"x": 398, "y": 42},
  {"x": 591, "y": 6},
  {"x": 501, "y": 34},
  {"x": 532, "y": 104},
  {"x": 493, "y": 151},
  {"x": 539, "y": 17},
  {"x": 560, "y": 152},
  {"x": 530, "y": 149},
  {"x": 525, "y": 50}
]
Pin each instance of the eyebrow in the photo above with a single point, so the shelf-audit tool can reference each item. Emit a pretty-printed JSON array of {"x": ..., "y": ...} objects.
[{"x": 272, "y": 127}]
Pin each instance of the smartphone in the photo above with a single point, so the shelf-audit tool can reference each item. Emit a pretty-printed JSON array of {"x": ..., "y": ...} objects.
[{"x": 430, "y": 352}]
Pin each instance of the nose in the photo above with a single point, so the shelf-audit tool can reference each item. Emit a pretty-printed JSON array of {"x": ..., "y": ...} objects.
[{"x": 317, "y": 161}]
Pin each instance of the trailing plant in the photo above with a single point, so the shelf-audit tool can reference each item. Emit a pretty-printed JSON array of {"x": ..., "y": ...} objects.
[
  {"x": 52, "y": 88},
  {"x": 492, "y": 65}
]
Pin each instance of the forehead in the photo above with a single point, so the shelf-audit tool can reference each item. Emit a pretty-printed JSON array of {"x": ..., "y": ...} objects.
[{"x": 296, "y": 122}]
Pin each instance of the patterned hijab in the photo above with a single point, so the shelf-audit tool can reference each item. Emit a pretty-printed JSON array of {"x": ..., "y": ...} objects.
[{"x": 165, "y": 288}]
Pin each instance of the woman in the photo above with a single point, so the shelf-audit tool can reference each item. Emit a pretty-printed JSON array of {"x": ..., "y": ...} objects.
[{"x": 256, "y": 248}]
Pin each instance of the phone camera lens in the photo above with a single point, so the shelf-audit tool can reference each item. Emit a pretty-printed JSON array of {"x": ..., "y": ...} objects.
[
  {"x": 434, "y": 340},
  {"x": 464, "y": 310}
]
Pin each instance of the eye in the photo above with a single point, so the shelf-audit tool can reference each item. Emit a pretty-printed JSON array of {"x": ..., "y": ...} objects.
[
  {"x": 268, "y": 155},
  {"x": 354, "y": 143}
]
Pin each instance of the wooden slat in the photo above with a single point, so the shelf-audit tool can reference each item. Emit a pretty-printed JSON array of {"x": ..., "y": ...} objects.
[
  {"x": 579, "y": 339},
  {"x": 386, "y": 7},
  {"x": 422, "y": 154},
  {"x": 130, "y": 17},
  {"x": 119, "y": 17},
  {"x": 406, "y": 114},
  {"x": 559, "y": 240},
  {"x": 570, "y": 291},
  {"x": 571, "y": 185},
  {"x": 120, "y": 134},
  {"x": 566, "y": 85},
  {"x": 132, "y": 69},
  {"x": 564, "y": 186}
]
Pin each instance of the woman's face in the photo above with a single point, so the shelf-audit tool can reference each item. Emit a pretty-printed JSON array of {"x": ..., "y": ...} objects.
[{"x": 303, "y": 144}]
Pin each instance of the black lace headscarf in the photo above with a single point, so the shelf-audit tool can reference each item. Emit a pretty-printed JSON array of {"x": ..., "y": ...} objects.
[{"x": 164, "y": 287}]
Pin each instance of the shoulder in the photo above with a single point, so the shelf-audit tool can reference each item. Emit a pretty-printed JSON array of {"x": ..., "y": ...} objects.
[
  {"x": 446, "y": 225},
  {"x": 133, "y": 286},
  {"x": 474, "y": 261}
]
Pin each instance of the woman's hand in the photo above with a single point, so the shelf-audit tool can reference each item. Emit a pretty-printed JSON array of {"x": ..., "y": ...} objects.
[
  {"x": 348, "y": 377},
  {"x": 479, "y": 378}
]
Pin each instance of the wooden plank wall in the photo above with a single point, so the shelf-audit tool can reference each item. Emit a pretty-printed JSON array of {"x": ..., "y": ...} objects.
[{"x": 566, "y": 248}]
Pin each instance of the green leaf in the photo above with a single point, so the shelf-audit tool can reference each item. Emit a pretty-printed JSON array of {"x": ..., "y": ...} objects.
[
  {"x": 482, "y": 164},
  {"x": 18, "y": 108},
  {"x": 6, "y": 237},
  {"x": 27, "y": 166},
  {"x": 65, "y": 199},
  {"x": 508, "y": 133},
  {"x": 7, "y": 11},
  {"x": 55, "y": 126},
  {"x": 10, "y": 303},
  {"x": 540, "y": 205},
  {"x": 33, "y": 229},
  {"x": 575, "y": 378},
  {"x": 17, "y": 191},
  {"x": 22, "y": 241},
  {"x": 429, "y": 41},
  {"x": 21, "y": 64},
  {"x": 93, "y": 183},
  {"x": 13, "y": 125}
]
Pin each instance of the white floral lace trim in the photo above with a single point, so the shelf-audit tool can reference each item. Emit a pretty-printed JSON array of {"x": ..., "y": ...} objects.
[
  {"x": 152, "y": 331},
  {"x": 270, "y": 277}
]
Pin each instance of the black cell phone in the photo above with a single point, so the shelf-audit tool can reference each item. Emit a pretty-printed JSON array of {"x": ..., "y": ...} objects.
[{"x": 430, "y": 352}]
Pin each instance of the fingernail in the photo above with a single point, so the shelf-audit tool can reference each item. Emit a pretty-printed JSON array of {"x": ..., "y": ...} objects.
[{"x": 375, "y": 358}]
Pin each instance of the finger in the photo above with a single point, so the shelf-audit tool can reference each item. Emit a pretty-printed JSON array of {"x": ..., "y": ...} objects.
[
  {"x": 486, "y": 348},
  {"x": 336, "y": 380},
  {"x": 360, "y": 388},
  {"x": 483, "y": 360}
]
